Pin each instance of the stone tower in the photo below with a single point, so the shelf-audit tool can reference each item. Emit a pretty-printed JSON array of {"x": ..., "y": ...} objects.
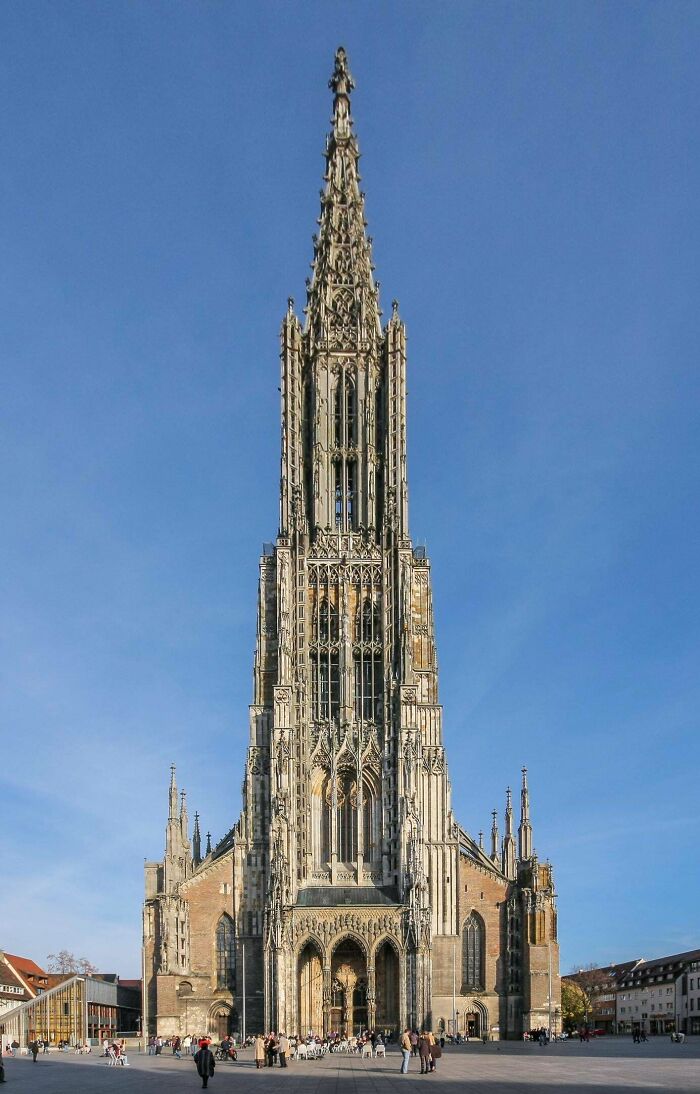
[{"x": 356, "y": 898}]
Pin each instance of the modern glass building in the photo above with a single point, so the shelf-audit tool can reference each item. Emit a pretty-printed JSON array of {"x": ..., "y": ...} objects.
[{"x": 75, "y": 1009}]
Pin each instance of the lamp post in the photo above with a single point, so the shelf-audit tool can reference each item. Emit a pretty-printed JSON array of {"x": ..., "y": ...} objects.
[
  {"x": 243, "y": 963},
  {"x": 549, "y": 986},
  {"x": 454, "y": 989}
]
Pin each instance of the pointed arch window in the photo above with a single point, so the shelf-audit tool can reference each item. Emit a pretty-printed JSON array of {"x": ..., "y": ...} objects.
[
  {"x": 325, "y": 685},
  {"x": 338, "y": 493},
  {"x": 370, "y": 819},
  {"x": 327, "y": 621},
  {"x": 347, "y": 817},
  {"x": 367, "y": 624},
  {"x": 369, "y": 687},
  {"x": 321, "y": 802},
  {"x": 225, "y": 954},
  {"x": 473, "y": 954},
  {"x": 350, "y": 496},
  {"x": 345, "y": 412}
]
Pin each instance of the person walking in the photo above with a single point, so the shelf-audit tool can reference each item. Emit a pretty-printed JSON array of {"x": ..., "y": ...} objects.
[
  {"x": 414, "y": 1042},
  {"x": 204, "y": 1061},
  {"x": 424, "y": 1052},
  {"x": 259, "y": 1051},
  {"x": 34, "y": 1049},
  {"x": 405, "y": 1050},
  {"x": 435, "y": 1052}
]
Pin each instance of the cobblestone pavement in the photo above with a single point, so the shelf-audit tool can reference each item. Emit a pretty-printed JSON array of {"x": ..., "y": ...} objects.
[{"x": 610, "y": 1067}]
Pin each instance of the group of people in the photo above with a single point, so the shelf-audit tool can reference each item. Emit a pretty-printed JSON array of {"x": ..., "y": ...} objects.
[{"x": 422, "y": 1044}]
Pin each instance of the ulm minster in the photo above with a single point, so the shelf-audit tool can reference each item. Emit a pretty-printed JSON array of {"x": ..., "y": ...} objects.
[{"x": 347, "y": 895}]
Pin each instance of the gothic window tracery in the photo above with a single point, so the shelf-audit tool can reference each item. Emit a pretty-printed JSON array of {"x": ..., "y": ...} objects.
[
  {"x": 345, "y": 412},
  {"x": 347, "y": 817},
  {"x": 371, "y": 821},
  {"x": 327, "y": 621},
  {"x": 225, "y": 953},
  {"x": 473, "y": 953}
]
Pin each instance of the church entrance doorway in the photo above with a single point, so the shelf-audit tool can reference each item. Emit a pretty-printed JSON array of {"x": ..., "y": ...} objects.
[
  {"x": 349, "y": 988},
  {"x": 222, "y": 1023},
  {"x": 310, "y": 990},
  {"x": 386, "y": 967},
  {"x": 472, "y": 1025}
]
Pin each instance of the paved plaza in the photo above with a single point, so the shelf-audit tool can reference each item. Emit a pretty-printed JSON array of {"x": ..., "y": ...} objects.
[{"x": 605, "y": 1067}]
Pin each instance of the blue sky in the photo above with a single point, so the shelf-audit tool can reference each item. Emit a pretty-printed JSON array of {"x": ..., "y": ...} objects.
[{"x": 532, "y": 173}]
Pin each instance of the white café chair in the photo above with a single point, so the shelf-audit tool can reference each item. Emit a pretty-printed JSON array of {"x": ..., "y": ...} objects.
[{"x": 380, "y": 1050}]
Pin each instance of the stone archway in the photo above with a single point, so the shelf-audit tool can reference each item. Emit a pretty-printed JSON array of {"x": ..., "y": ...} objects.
[
  {"x": 349, "y": 985},
  {"x": 386, "y": 978},
  {"x": 310, "y": 989},
  {"x": 220, "y": 1021},
  {"x": 476, "y": 1019}
]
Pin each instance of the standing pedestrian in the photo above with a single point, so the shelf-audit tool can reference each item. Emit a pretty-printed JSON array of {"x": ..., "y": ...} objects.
[
  {"x": 259, "y": 1051},
  {"x": 284, "y": 1049},
  {"x": 34, "y": 1049},
  {"x": 204, "y": 1061},
  {"x": 405, "y": 1050}
]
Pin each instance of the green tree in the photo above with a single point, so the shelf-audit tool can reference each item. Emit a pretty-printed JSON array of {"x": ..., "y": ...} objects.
[{"x": 575, "y": 1004}]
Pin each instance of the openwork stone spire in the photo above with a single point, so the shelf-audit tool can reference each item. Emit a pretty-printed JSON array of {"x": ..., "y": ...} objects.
[{"x": 342, "y": 306}]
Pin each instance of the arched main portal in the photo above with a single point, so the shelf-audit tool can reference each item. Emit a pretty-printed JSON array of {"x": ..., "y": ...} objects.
[
  {"x": 386, "y": 966},
  {"x": 348, "y": 988},
  {"x": 310, "y": 990}
]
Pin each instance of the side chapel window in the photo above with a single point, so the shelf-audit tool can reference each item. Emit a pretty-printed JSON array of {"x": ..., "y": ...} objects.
[
  {"x": 225, "y": 954},
  {"x": 473, "y": 954}
]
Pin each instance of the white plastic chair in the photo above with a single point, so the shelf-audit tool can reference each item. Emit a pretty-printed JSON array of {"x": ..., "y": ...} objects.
[{"x": 380, "y": 1050}]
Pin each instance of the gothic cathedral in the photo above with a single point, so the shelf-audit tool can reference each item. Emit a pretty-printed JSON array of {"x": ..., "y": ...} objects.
[{"x": 347, "y": 896}]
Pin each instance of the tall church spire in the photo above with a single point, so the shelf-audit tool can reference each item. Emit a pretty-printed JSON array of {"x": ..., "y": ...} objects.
[
  {"x": 509, "y": 840},
  {"x": 494, "y": 836},
  {"x": 525, "y": 828},
  {"x": 342, "y": 308},
  {"x": 196, "y": 842},
  {"x": 172, "y": 804}
]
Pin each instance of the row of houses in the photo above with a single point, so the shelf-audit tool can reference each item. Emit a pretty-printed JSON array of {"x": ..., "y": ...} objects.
[
  {"x": 64, "y": 1007},
  {"x": 656, "y": 997}
]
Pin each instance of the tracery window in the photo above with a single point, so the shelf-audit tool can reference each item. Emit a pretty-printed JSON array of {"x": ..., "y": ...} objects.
[
  {"x": 325, "y": 685},
  {"x": 371, "y": 821},
  {"x": 225, "y": 954},
  {"x": 367, "y": 623},
  {"x": 369, "y": 686},
  {"x": 327, "y": 621},
  {"x": 473, "y": 954},
  {"x": 345, "y": 412},
  {"x": 347, "y": 817},
  {"x": 344, "y": 494}
]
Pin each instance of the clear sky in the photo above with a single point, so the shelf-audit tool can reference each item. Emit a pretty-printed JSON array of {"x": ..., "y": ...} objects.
[{"x": 532, "y": 179}]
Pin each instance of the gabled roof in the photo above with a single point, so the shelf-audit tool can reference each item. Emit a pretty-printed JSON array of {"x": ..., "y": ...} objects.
[
  {"x": 23, "y": 965},
  {"x": 8, "y": 976}
]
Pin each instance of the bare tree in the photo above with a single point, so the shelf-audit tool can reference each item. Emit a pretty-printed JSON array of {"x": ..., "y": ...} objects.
[{"x": 65, "y": 961}]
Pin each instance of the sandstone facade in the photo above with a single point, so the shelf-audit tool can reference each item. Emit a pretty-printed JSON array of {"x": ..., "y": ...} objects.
[{"x": 347, "y": 895}]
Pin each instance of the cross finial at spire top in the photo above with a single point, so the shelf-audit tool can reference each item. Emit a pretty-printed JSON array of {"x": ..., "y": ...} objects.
[{"x": 341, "y": 84}]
